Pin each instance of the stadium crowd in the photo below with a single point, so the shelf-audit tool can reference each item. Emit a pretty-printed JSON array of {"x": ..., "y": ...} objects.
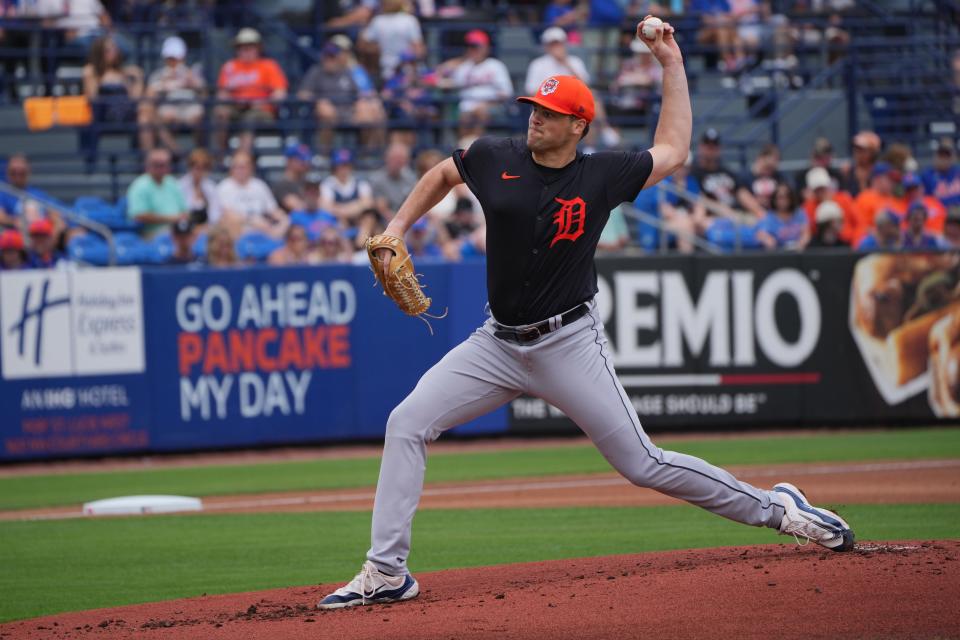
[{"x": 372, "y": 75}]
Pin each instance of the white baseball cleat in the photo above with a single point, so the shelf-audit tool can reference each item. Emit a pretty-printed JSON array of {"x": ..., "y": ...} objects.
[
  {"x": 370, "y": 586},
  {"x": 802, "y": 520}
]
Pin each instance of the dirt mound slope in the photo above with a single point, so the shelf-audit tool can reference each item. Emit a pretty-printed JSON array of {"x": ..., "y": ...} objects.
[{"x": 879, "y": 590}]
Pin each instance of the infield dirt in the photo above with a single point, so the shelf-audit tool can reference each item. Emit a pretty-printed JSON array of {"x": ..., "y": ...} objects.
[{"x": 888, "y": 590}]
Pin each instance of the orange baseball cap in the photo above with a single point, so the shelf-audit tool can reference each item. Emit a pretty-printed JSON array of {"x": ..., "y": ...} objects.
[
  {"x": 11, "y": 239},
  {"x": 564, "y": 94},
  {"x": 41, "y": 227}
]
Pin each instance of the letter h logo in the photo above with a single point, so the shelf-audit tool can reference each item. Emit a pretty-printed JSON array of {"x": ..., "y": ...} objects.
[{"x": 37, "y": 312}]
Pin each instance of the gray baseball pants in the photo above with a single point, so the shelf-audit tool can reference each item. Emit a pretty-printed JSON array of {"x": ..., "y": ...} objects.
[{"x": 571, "y": 369}]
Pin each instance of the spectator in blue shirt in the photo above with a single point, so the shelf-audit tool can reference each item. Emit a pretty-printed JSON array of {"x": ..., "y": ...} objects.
[
  {"x": 43, "y": 253},
  {"x": 942, "y": 180},
  {"x": 915, "y": 236},
  {"x": 785, "y": 226},
  {"x": 675, "y": 211},
  {"x": 885, "y": 233},
  {"x": 14, "y": 208},
  {"x": 422, "y": 240},
  {"x": 312, "y": 217}
]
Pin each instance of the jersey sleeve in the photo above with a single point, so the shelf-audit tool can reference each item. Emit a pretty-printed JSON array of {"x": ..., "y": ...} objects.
[
  {"x": 472, "y": 162},
  {"x": 625, "y": 174}
]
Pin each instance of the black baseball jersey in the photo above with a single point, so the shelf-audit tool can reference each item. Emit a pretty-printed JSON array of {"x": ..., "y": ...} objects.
[{"x": 543, "y": 224}]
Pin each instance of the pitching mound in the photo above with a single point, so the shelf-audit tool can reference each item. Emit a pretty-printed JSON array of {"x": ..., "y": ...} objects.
[{"x": 880, "y": 590}]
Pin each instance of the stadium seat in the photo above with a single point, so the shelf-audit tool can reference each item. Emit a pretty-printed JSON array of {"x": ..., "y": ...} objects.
[
  {"x": 256, "y": 246},
  {"x": 89, "y": 248}
]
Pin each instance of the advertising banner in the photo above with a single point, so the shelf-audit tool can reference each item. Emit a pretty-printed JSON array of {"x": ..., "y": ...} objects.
[
  {"x": 779, "y": 339},
  {"x": 112, "y": 360},
  {"x": 72, "y": 363}
]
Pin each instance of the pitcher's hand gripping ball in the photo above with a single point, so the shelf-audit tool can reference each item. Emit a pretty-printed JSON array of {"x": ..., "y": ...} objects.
[
  {"x": 649, "y": 28},
  {"x": 400, "y": 282}
]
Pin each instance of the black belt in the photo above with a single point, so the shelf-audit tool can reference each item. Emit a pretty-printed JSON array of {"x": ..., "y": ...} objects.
[{"x": 536, "y": 331}]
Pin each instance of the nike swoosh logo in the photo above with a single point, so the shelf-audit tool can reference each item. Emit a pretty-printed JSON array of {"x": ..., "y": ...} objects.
[{"x": 507, "y": 176}]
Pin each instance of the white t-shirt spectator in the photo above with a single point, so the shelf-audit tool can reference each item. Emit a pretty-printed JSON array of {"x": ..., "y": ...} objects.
[
  {"x": 82, "y": 16},
  {"x": 486, "y": 81},
  {"x": 546, "y": 65},
  {"x": 253, "y": 200},
  {"x": 395, "y": 33},
  {"x": 332, "y": 190}
]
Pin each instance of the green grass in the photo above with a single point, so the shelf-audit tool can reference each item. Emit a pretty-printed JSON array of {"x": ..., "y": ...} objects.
[
  {"x": 54, "y": 566},
  {"x": 69, "y": 489}
]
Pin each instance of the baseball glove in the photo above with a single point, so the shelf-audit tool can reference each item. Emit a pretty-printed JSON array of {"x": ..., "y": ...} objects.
[{"x": 400, "y": 284}]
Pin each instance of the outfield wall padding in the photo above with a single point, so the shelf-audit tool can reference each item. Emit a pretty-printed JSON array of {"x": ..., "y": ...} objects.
[{"x": 105, "y": 361}]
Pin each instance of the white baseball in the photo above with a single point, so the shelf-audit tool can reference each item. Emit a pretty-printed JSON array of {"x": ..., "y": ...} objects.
[{"x": 650, "y": 26}]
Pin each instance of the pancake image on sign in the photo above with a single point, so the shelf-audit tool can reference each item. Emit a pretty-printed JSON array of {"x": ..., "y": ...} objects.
[
  {"x": 894, "y": 302},
  {"x": 944, "y": 391}
]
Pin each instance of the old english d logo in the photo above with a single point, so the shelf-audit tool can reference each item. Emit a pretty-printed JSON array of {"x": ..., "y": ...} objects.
[{"x": 569, "y": 219}]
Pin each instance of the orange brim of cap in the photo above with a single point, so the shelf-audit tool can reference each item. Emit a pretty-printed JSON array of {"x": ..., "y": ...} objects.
[{"x": 546, "y": 104}]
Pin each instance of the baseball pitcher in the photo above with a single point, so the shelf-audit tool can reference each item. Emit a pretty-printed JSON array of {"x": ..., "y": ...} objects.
[{"x": 545, "y": 205}]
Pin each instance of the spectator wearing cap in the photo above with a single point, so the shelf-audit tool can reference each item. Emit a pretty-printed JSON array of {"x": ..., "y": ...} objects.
[
  {"x": 154, "y": 199},
  {"x": 360, "y": 76},
  {"x": 248, "y": 204},
  {"x": 821, "y": 188},
  {"x": 913, "y": 192},
  {"x": 821, "y": 155},
  {"x": 199, "y": 190},
  {"x": 719, "y": 187},
  {"x": 312, "y": 216},
  {"x": 785, "y": 225},
  {"x": 884, "y": 233},
  {"x": 295, "y": 249},
  {"x": 879, "y": 195},
  {"x": 422, "y": 241},
  {"x": 174, "y": 95},
  {"x": 638, "y": 80},
  {"x": 184, "y": 235},
  {"x": 249, "y": 84},
  {"x": 410, "y": 100},
  {"x": 392, "y": 33},
  {"x": 483, "y": 82},
  {"x": 829, "y": 221},
  {"x": 342, "y": 193},
  {"x": 942, "y": 180},
  {"x": 339, "y": 99},
  {"x": 43, "y": 252},
  {"x": 556, "y": 61},
  {"x": 915, "y": 234},
  {"x": 866, "y": 152},
  {"x": 951, "y": 228},
  {"x": 288, "y": 189},
  {"x": 24, "y": 210},
  {"x": 13, "y": 256},
  {"x": 393, "y": 183}
]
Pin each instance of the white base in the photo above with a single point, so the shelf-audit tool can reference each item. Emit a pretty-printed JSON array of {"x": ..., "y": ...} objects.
[{"x": 137, "y": 505}]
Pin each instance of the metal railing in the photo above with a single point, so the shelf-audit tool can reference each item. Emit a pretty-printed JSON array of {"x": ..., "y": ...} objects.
[{"x": 68, "y": 215}]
